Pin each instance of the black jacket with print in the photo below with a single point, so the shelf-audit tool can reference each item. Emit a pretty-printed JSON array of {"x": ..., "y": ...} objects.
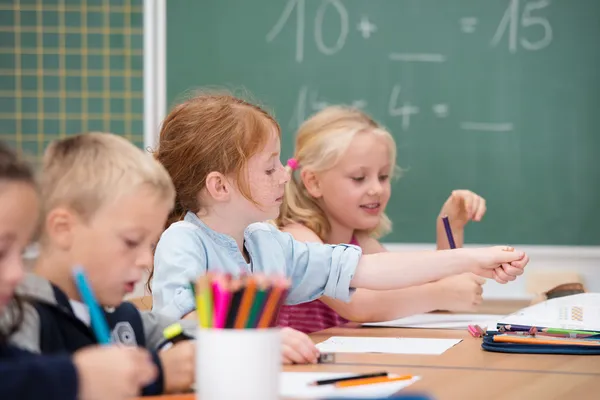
[{"x": 51, "y": 327}]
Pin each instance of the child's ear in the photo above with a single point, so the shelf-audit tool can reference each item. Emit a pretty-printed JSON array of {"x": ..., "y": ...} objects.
[
  {"x": 311, "y": 183},
  {"x": 60, "y": 227},
  {"x": 218, "y": 186}
]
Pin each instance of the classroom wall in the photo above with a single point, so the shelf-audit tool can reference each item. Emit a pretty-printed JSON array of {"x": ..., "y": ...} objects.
[
  {"x": 72, "y": 66},
  {"x": 68, "y": 67}
]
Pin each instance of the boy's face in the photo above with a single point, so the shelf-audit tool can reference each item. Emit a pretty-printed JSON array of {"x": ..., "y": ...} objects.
[{"x": 115, "y": 246}]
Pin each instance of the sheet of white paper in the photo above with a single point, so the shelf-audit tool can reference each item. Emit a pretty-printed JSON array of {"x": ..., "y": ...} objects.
[
  {"x": 343, "y": 344},
  {"x": 440, "y": 321},
  {"x": 578, "y": 312},
  {"x": 297, "y": 385}
]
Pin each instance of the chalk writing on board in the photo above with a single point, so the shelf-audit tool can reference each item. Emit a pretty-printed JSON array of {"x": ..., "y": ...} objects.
[
  {"x": 441, "y": 110},
  {"x": 320, "y": 17},
  {"x": 310, "y": 102},
  {"x": 468, "y": 24},
  {"x": 511, "y": 22},
  {"x": 285, "y": 15},
  {"x": 366, "y": 27},
  {"x": 418, "y": 57},
  {"x": 487, "y": 126},
  {"x": 320, "y": 20},
  {"x": 406, "y": 110}
]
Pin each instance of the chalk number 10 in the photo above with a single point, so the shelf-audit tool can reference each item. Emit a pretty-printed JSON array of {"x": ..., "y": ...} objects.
[{"x": 510, "y": 22}]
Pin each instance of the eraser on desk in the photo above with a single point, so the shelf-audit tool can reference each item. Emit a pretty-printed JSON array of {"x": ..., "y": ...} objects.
[{"x": 326, "y": 358}]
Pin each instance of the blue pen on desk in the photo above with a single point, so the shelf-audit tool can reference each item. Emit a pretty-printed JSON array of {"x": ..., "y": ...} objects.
[
  {"x": 449, "y": 232},
  {"x": 99, "y": 325}
]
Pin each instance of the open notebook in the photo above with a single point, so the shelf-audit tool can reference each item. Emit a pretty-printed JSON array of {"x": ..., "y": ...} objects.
[{"x": 577, "y": 312}]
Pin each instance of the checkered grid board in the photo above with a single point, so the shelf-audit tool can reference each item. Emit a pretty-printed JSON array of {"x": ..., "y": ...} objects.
[{"x": 70, "y": 66}]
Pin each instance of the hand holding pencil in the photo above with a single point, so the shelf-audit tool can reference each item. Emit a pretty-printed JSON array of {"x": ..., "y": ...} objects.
[
  {"x": 463, "y": 206},
  {"x": 502, "y": 263}
]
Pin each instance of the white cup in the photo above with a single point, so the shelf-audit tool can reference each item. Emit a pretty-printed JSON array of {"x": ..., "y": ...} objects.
[{"x": 238, "y": 364}]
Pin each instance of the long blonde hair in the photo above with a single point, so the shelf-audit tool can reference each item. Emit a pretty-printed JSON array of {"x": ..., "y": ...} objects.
[{"x": 320, "y": 143}]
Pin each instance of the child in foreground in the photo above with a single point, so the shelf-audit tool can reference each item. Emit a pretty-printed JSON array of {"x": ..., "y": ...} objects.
[
  {"x": 338, "y": 191},
  {"x": 92, "y": 373},
  {"x": 222, "y": 154},
  {"x": 104, "y": 205}
]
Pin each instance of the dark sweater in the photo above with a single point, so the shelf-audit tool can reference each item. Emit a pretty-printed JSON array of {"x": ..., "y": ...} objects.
[{"x": 26, "y": 376}]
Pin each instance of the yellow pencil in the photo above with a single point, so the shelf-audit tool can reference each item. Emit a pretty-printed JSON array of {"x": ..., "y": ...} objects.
[{"x": 204, "y": 301}]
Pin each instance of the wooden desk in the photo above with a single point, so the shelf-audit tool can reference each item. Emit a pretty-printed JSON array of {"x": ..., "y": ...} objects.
[
  {"x": 453, "y": 384},
  {"x": 466, "y": 371},
  {"x": 466, "y": 354}
]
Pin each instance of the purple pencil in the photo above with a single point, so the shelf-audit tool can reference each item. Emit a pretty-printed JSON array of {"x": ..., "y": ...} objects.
[{"x": 449, "y": 232}]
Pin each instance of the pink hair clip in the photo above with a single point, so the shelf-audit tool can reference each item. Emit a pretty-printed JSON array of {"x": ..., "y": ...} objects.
[{"x": 293, "y": 164}]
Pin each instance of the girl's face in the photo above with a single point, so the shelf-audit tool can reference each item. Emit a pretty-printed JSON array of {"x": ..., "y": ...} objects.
[
  {"x": 266, "y": 179},
  {"x": 18, "y": 217},
  {"x": 355, "y": 192}
]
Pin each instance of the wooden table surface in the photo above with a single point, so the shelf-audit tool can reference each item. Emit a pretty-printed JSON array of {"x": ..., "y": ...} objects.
[{"x": 466, "y": 371}]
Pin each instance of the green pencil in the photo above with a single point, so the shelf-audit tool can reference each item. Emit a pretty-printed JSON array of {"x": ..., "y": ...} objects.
[
  {"x": 567, "y": 331},
  {"x": 257, "y": 307}
]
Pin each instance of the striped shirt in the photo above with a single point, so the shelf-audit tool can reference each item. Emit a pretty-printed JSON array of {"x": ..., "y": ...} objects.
[{"x": 312, "y": 316}]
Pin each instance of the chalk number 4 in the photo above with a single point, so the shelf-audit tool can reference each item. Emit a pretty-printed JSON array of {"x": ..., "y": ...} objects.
[{"x": 510, "y": 22}]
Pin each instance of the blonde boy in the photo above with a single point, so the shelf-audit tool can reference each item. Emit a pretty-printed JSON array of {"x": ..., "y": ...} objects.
[{"x": 105, "y": 204}]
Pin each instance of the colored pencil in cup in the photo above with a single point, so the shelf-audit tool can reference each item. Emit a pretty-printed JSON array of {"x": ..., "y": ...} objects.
[
  {"x": 204, "y": 301},
  {"x": 262, "y": 291},
  {"x": 246, "y": 303},
  {"x": 237, "y": 291},
  {"x": 286, "y": 288},
  {"x": 221, "y": 301},
  {"x": 98, "y": 321},
  {"x": 271, "y": 305},
  {"x": 449, "y": 234}
]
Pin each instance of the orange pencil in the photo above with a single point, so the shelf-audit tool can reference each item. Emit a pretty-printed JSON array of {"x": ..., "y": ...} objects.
[
  {"x": 525, "y": 340},
  {"x": 370, "y": 381},
  {"x": 270, "y": 306},
  {"x": 246, "y": 303}
]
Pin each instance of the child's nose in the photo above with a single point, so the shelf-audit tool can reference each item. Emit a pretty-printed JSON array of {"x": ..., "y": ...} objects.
[
  {"x": 15, "y": 272},
  {"x": 145, "y": 259},
  {"x": 376, "y": 188}
]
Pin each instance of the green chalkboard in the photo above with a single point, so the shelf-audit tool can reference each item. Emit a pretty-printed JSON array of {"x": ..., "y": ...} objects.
[{"x": 499, "y": 96}]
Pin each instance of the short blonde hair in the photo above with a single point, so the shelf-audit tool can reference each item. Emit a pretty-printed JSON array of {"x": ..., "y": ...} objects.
[
  {"x": 320, "y": 143},
  {"x": 86, "y": 171}
]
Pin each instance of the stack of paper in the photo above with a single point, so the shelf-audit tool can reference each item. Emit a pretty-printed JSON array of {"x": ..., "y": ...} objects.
[
  {"x": 343, "y": 344},
  {"x": 297, "y": 385},
  {"x": 441, "y": 321}
]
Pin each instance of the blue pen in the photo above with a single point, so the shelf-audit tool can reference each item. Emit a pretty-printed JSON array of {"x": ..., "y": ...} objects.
[
  {"x": 99, "y": 325},
  {"x": 449, "y": 232}
]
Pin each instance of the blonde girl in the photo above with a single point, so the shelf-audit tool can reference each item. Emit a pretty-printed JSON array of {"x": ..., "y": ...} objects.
[{"x": 340, "y": 186}]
